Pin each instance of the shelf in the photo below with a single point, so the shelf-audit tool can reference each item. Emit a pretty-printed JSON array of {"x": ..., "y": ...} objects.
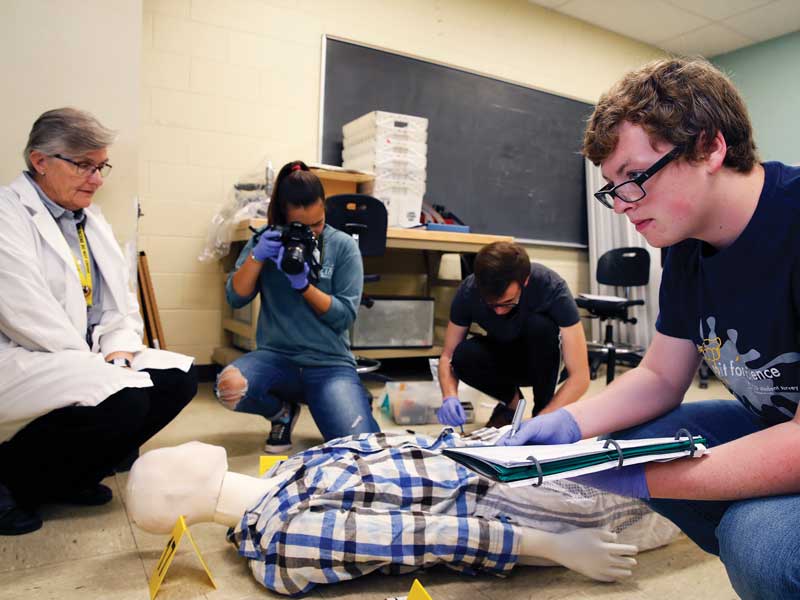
[
  {"x": 343, "y": 175},
  {"x": 225, "y": 355},
  {"x": 382, "y": 353},
  {"x": 406, "y": 239}
]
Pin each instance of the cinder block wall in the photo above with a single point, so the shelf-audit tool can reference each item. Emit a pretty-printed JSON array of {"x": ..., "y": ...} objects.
[{"x": 227, "y": 84}]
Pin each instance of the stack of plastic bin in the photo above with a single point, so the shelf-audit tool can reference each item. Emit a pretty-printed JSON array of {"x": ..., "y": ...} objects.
[{"x": 394, "y": 147}]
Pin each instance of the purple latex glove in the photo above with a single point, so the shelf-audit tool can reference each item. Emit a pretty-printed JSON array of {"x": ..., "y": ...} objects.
[
  {"x": 558, "y": 427},
  {"x": 451, "y": 413},
  {"x": 627, "y": 481},
  {"x": 298, "y": 281},
  {"x": 268, "y": 246}
]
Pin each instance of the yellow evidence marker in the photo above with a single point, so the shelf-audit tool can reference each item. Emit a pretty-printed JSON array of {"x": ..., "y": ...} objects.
[
  {"x": 169, "y": 553},
  {"x": 265, "y": 463},
  {"x": 417, "y": 593}
]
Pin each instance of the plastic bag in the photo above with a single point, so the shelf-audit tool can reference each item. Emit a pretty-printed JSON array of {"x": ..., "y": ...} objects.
[{"x": 247, "y": 199}]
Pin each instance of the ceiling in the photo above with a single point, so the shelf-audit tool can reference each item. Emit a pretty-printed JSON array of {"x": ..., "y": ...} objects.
[{"x": 687, "y": 27}]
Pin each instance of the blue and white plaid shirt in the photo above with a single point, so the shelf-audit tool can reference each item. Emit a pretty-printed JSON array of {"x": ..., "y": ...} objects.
[
  {"x": 392, "y": 502},
  {"x": 367, "y": 502}
]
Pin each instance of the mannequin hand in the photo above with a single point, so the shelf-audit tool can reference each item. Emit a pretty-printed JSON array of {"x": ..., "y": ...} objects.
[
  {"x": 594, "y": 553},
  {"x": 298, "y": 281},
  {"x": 268, "y": 246},
  {"x": 627, "y": 481},
  {"x": 557, "y": 427},
  {"x": 451, "y": 413}
]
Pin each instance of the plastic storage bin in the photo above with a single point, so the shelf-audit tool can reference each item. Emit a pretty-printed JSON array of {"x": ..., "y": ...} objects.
[
  {"x": 416, "y": 402},
  {"x": 391, "y": 161},
  {"x": 404, "y": 210},
  {"x": 404, "y": 174},
  {"x": 384, "y": 120},
  {"x": 384, "y": 148},
  {"x": 413, "y": 402},
  {"x": 394, "y": 322},
  {"x": 377, "y": 134},
  {"x": 388, "y": 186}
]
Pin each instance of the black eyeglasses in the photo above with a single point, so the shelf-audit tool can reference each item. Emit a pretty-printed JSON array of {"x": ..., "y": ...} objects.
[
  {"x": 632, "y": 191},
  {"x": 494, "y": 305},
  {"x": 86, "y": 169}
]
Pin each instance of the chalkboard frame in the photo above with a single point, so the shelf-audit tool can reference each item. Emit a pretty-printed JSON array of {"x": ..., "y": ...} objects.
[{"x": 580, "y": 212}]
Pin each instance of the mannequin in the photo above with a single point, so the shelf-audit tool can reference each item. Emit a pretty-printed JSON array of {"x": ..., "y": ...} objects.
[{"x": 192, "y": 480}]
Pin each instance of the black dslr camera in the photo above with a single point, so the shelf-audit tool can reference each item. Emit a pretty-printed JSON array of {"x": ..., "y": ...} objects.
[{"x": 299, "y": 245}]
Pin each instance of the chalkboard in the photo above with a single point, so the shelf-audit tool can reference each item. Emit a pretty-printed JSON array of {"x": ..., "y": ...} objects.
[{"x": 503, "y": 157}]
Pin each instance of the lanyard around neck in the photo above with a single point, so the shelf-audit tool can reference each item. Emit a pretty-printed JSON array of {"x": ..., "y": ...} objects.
[{"x": 84, "y": 276}]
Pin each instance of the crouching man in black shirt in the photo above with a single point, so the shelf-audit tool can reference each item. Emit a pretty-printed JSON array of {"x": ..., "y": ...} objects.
[{"x": 530, "y": 319}]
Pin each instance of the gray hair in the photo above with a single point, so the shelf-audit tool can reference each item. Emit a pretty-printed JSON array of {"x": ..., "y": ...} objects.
[{"x": 66, "y": 131}]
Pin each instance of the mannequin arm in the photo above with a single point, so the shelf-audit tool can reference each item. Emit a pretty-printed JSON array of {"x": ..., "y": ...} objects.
[{"x": 591, "y": 552}]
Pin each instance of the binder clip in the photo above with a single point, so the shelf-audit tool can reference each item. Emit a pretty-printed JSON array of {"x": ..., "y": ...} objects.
[
  {"x": 538, "y": 469},
  {"x": 685, "y": 433},
  {"x": 618, "y": 448}
]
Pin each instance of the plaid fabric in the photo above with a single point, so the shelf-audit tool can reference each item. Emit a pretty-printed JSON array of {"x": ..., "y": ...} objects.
[{"x": 367, "y": 502}]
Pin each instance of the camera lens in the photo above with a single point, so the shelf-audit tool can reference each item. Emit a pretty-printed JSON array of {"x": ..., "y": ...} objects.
[{"x": 293, "y": 259}]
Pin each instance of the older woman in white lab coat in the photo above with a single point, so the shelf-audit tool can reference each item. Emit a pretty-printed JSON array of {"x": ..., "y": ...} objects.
[{"x": 79, "y": 390}]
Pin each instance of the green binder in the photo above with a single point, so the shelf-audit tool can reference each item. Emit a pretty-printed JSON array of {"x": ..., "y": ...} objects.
[{"x": 534, "y": 464}]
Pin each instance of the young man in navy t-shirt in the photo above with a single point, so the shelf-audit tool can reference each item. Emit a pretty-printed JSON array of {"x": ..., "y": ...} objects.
[
  {"x": 530, "y": 320},
  {"x": 674, "y": 142}
]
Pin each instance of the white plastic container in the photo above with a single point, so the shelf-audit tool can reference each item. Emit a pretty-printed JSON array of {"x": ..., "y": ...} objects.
[
  {"x": 382, "y": 149},
  {"x": 404, "y": 210},
  {"x": 413, "y": 402},
  {"x": 386, "y": 134},
  {"x": 405, "y": 173},
  {"x": 416, "y": 402},
  {"x": 384, "y": 120},
  {"x": 396, "y": 163},
  {"x": 382, "y": 186},
  {"x": 401, "y": 197}
]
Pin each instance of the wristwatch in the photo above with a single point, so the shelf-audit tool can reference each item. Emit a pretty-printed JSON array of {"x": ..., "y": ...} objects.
[{"x": 120, "y": 362}]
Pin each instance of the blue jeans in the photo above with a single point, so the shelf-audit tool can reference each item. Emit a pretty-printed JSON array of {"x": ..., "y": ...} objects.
[
  {"x": 758, "y": 540},
  {"x": 335, "y": 396}
]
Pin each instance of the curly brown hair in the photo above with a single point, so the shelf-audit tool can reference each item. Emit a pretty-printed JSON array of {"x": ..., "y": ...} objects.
[{"x": 682, "y": 101}]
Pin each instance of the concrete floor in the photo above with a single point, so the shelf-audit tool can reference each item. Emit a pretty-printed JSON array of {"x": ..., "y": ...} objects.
[{"x": 98, "y": 553}]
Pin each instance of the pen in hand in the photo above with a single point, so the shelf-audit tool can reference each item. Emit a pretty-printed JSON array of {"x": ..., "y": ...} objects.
[{"x": 518, "y": 414}]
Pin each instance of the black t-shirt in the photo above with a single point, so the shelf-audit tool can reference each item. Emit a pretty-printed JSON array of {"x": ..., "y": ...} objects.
[
  {"x": 741, "y": 305},
  {"x": 546, "y": 293}
]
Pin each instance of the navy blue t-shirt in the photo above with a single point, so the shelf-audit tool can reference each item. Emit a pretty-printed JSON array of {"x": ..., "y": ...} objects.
[
  {"x": 546, "y": 293},
  {"x": 741, "y": 305}
]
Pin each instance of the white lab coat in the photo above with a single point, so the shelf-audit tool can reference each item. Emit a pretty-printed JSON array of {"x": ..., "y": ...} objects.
[{"x": 45, "y": 362}]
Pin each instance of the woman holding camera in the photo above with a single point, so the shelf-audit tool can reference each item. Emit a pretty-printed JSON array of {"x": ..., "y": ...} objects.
[{"x": 303, "y": 351}]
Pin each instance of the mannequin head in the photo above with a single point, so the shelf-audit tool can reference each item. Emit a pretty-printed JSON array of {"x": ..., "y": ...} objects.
[{"x": 168, "y": 482}]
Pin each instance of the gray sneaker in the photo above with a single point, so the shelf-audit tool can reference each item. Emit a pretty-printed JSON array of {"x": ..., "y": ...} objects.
[{"x": 280, "y": 437}]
